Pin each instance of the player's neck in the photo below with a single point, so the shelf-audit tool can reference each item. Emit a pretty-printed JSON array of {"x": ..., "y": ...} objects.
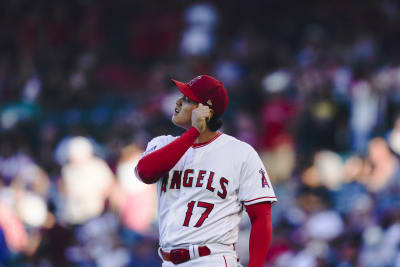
[{"x": 206, "y": 136}]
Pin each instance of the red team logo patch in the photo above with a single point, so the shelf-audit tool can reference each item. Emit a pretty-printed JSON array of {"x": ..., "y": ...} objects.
[{"x": 264, "y": 181}]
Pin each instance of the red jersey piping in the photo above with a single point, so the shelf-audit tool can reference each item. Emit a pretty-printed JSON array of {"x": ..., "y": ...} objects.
[{"x": 197, "y": 145}]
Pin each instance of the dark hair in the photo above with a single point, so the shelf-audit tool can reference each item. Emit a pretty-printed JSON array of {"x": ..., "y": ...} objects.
[{"x": 214, "y": 123}]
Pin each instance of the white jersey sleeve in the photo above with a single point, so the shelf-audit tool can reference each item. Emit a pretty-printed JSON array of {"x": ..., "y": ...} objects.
[
  {"x": 255, "y": 185},
  {"x": 157, "y": 143},
  {"x": 153, "y": 145}
]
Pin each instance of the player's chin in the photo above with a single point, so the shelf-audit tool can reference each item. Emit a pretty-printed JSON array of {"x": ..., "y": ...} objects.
[{"x": 177, "y": 121}]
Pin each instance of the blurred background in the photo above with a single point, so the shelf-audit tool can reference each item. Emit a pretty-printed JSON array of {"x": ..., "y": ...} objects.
[{"x": 314, "y": 86}]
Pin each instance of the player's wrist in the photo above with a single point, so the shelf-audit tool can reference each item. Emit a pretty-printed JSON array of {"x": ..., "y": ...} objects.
[
  {"x": 198, "y": 124},
  {"x": 193, "y": 130}
]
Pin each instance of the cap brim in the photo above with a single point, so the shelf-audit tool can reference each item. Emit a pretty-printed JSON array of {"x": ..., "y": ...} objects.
[{"x": 186, "y": 90}]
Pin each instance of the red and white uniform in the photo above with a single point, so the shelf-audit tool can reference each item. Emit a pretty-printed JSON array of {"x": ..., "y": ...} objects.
[{"x": 201, "y": 200}]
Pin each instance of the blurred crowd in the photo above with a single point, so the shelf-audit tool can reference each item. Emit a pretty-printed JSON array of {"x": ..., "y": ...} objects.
[{"x": 314, "y": 86}]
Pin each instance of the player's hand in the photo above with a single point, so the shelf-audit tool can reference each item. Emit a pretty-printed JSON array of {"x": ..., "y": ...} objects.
[{"x": 200, "y": 116}]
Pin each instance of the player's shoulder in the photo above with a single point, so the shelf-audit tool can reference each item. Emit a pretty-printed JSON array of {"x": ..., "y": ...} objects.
[
  {"x": 237, "y": 144},
  {"x": 162, "y": 139},
  {"x": 157, "y": 143}
]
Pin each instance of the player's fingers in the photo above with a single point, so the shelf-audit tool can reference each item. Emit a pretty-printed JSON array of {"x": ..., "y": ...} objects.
[
  {"x": 203, "y": 114},
  {"x": 207, "y": 114},
  {"x": 203, "y": 111},
  {"x": 204, "y": 107}
]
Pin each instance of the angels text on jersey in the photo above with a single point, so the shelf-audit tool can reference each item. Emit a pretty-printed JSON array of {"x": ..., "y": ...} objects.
[{"x": 196, "y": 178}]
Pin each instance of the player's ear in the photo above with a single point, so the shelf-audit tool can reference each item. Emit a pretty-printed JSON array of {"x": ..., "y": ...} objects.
[{"x": 212, "y": 115}]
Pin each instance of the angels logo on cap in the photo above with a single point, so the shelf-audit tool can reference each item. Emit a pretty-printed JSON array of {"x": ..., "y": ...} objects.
[
  {"x": 206, "y": 90},
  {"x": 194, "y": 80}
]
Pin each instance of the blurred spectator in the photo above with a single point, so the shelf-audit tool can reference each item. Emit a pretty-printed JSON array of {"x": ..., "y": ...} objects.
[
  {"x": 281, "y": 159},
  {"x": 12, "y": 162},
  {"x": 326, "y": 171},
  {"x": 277, "y": 118},
  {"x": 12, "y": 229},
  {"x": 135, "y": 200},
  {"x": 96, "y": 244},
  {"x": 394, "y": 137},
  {"x": 32, "y": 178},
  {"x": 364, "y": 115},
  {"x": 198, "y": 38},
  {"x": 352, "y": 194},
  {"x": 87, "y": 182},
  {"x": 385, "y": 166}
]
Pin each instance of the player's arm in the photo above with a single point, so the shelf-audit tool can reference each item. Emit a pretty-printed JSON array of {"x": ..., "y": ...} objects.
[
  {"x": 261, "y": 232},
  {"x": 156, "y": 164}
]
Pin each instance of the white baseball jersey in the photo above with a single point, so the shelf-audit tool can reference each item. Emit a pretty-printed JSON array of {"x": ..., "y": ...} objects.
[{"x": 201, "y": 199}]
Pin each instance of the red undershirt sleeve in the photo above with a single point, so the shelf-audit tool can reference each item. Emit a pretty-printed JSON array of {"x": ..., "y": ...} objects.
[
  {"x": 261, "y": 232},
  {"x": 156, "y": 164}
]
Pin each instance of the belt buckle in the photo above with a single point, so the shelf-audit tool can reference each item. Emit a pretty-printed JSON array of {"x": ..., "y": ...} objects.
[{"x": 178, "y": 256}]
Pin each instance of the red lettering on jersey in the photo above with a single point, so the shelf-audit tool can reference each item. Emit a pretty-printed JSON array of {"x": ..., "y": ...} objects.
[
  {"x": 209, "y": 182},
  {"x": 223, "y": 182},
  {"x": 264, "y": 181},
  {"x": 200, "y": 178},
  {"x": 188, "y": 181},
  {"x": 164, "y": 184},
  {"x": 176, "y": 180}
]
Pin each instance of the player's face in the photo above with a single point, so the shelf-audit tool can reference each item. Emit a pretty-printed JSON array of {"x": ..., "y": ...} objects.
[{"x": 183, "y": 112}]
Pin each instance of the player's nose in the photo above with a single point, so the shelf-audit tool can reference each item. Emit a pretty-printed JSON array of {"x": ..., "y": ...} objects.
[{"x": 179, "y": 101}]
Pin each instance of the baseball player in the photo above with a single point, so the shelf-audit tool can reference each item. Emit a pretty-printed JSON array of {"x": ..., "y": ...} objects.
[{"x": 204, "y": 180}]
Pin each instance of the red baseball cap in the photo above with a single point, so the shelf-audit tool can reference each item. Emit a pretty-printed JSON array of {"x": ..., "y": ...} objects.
[{"x": 206, "y": 90}]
